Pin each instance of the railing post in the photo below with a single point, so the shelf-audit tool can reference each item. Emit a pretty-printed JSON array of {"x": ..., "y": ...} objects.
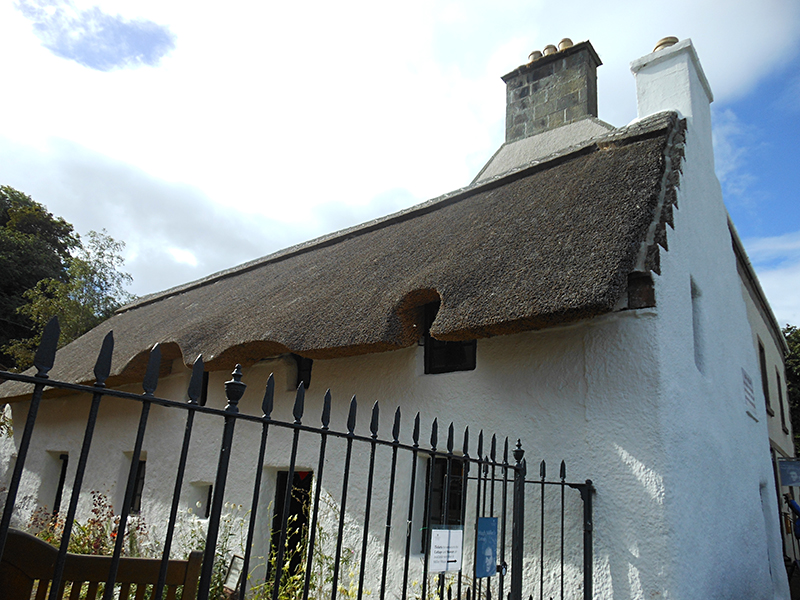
[
  {"x": 43, "y": 361},
  {"x": 588, "y": 560},
  {"x": 518, "y": 530},
  {"x": 234, "y": 390}
]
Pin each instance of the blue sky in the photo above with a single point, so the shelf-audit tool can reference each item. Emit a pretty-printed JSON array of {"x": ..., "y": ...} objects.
[
  {"x": 207, "y": 135},
  {"x": 760, "y": 186}
]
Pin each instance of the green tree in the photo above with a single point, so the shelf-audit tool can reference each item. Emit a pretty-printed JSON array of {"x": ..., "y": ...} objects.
[
  {"x": 34, "y": 245},
  {"x": 792, "y": 335},
  {"x": 94, "y": 287}
]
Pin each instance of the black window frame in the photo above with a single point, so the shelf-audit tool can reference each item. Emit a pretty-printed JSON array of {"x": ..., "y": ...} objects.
[
  {"x": 762, "y": 360},
  {"x": 299, "y": 508},
  {"x": 444, "y": 356},
  {"x": 434, "y": 495},
  {"x": 135, "y": 506},
  {"x": 64, "y": 458},
  {"x": 780, "y": 400}
]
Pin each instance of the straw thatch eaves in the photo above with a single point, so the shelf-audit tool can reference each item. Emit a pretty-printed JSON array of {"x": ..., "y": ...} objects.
[{"x": 550, "y": 243}]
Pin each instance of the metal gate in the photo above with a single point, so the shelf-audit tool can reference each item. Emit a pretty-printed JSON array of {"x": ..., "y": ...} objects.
[{"x": 396, "y": 505}]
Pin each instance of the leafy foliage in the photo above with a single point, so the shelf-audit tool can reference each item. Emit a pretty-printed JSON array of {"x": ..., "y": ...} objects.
[
  {"x": 34, "y": 245},
  {"x": 94, "y": 287},
  {"x": 231, "y": 539},
  {"x": 792, "y": 335},
  {"x": 98, "y": 534}
]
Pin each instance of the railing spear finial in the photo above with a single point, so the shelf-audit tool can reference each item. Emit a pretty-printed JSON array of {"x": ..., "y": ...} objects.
[
  {"x": 450, "y": 438},
  {"x": 373, "y": 424},
  {"x": 299, "y": 404},
  {"x": 351, "y": 417},
  {"x": 396, "y": 427},
  {"x": 326, "y": 410},
  {"x": 102, "y": 368},
  {"x": 196, "y": 381},
  {"x": 269, "y": 397},
  {"x": 150, "y": 381},
  {"x": 46, "y": 352}
]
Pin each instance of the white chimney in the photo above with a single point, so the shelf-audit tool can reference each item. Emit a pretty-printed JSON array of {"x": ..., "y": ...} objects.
[{"x": 671, "y": 78}]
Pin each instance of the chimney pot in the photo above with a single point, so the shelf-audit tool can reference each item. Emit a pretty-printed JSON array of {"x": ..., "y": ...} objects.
[
  {"x": 535, "y": 55},
  {"x": 550, "y": 49},
  {"x": 665, "y": 42},
  {"x": 564, "y": 44}
]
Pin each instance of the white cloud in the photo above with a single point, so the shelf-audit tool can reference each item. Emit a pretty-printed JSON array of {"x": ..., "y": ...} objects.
[
  {"x": 733, "y": 142},
  {"x": 777, "y": 263},
  {"x": 181, "y": 255},
  {"x": 287, "y": 118},
  {"x": 781, "y": 286}
]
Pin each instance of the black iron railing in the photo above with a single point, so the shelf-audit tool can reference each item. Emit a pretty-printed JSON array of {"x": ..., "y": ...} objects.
[{"x": 486, "y": 484}]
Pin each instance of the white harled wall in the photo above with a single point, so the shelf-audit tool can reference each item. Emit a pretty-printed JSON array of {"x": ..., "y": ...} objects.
[
  {"x": 721, "y": 501},
  {"x": 571, "y": 393}
]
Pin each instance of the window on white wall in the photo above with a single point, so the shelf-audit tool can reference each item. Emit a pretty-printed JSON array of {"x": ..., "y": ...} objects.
[
  {"x": 446, "y": 357},
  {"x": 136, "y": 500},
  {"x": 296, "y": 516},
  {"x": 762, "y": 363},
  {"x": 200, "y": 494},
  {"x": 697, "y": 327},
  {"x": 437, "y": 483},
  {"x": 780, "y": 402},
  {"x": 63, "y": 457}
]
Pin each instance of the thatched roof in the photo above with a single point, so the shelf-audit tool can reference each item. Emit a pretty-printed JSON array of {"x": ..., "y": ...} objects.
[{"x": 546, "y": 244}]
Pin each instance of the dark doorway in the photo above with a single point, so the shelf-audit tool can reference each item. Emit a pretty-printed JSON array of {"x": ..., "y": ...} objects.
[{"x": 296, "y": 519}]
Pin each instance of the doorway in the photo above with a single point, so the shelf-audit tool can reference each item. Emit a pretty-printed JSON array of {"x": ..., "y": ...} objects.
[{"x": 296, "y": 520}]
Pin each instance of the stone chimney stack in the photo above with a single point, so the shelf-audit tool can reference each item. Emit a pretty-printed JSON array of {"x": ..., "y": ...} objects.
[{"x": 558, "y": 86}]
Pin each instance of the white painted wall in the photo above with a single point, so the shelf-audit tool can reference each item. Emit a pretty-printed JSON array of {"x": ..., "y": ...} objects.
[
  {"x": 571, "y": 393},
  {"x": 717, "y": 473},
  {"x": 779, "y": 419}
]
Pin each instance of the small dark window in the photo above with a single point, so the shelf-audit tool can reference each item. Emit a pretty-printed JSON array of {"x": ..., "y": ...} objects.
[
  {"x": 780, "y": 402},
  {"x": 697, "y": 327},
  {"x": 136, "y": 499},
  {"x": 64, "y": 458},
  {"x": 296, "y": 517},
  {"x": 762, "y": 359},
  {"x": 453, "y": 513},
  {"x": 303, "y": 370},
  {"x": 204, "y": 508},
  {"x": 446, "y": 357}
]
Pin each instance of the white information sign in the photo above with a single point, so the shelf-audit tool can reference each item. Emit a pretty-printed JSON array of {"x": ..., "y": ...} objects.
[{"x": 446, "y": 547}]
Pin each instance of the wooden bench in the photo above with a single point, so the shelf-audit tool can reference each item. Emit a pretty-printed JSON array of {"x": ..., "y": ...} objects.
[{"x": 28, "y": 560}]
